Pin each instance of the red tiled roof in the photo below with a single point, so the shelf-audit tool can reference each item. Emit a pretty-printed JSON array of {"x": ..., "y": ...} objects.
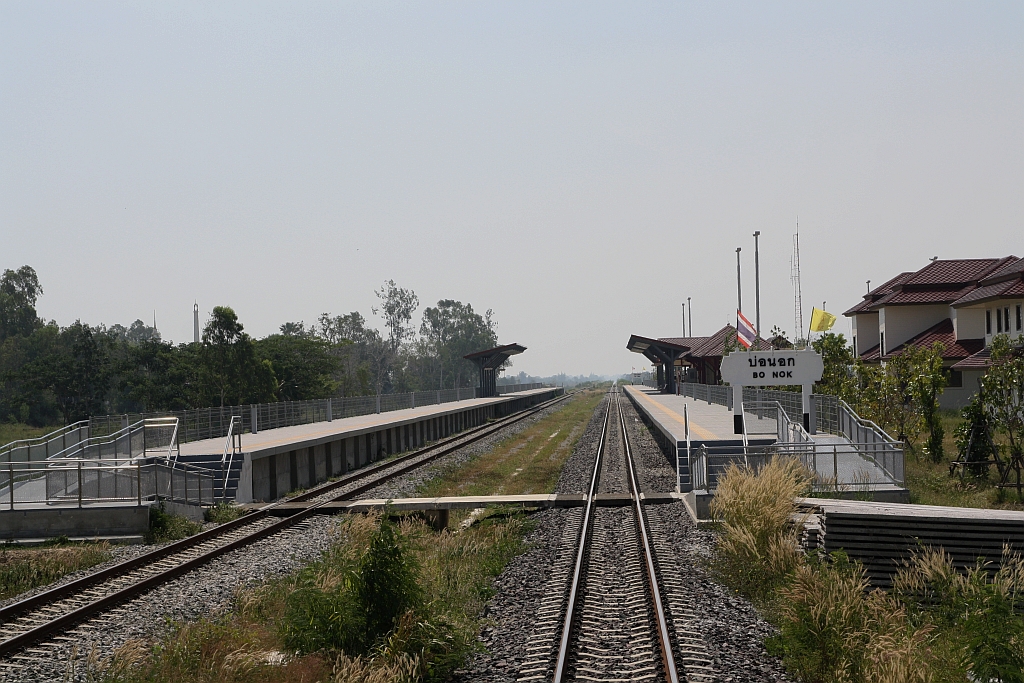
[
  {"x": 956, "y": 271},
  {"x": 976, "y": 361},
  {"x": 1006, "y": 289},
  {"x": 924, "y": 296},
  {"x": 1013, "y": 268},
  {"x": 942, "y": 333},
  {"x": 940, "y": 282},
  {"x": 877, "y": 293},
  {"x": 870, "y": 355}
]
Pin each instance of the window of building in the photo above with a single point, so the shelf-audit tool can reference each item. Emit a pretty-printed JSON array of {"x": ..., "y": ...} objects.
[
  {"x": 1006, "y": 319},
  {"x": 956, "y": 379},
  {"x": 999, "y": 321},
  {"x": 988, "y": 321},
  {"x": 1019, "y": 321}
]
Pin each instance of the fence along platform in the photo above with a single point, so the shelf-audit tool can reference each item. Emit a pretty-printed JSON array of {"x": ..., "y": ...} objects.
[{"x": 848, "y": 456}]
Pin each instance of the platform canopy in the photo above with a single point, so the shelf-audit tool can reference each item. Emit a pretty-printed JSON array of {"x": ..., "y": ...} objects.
[
  {"x": 489, "y": 360},
  {"x": 662, "y": 354}
]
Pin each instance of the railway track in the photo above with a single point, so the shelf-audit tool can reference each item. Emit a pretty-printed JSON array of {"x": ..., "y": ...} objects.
[
  {"x": 54, "y": 614},
  {"x": 608, "y": 613}
]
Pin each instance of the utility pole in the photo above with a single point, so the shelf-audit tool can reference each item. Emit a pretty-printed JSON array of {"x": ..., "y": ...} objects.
[
  {"x": 690, "y": 320},
  {"x": 684, "y": 319},
  {"x": 757, "y": 287}
]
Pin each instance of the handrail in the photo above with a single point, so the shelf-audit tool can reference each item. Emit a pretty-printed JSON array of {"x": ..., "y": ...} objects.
[
  {"x": 44, "y": 440},
  {"x": 229, "y": 443},
  {"x": 125, "y": 432}
]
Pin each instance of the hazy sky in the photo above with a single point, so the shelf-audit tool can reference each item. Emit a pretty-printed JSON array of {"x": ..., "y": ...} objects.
[{"x": 579, "y": 168}]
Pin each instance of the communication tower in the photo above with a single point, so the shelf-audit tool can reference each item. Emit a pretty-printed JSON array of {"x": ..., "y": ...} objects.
[{"x": 798, "y": 297}]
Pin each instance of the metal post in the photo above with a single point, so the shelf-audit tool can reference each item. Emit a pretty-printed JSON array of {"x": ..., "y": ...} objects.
[
  {"x": 254, "y": 414},
  {"x": 757, "y": 286},
  {"x": 186, "y": 487},
  {"x": 138, "y": 476},
  {"x": 10, "y": 482},
  {"x": 684, "y": 319},
  {"x": 835, "y": 465},
  {"x": 79, "y": 483},
  {"x": 330, "y": 411},
  {"x": 739, "y": 288},
  {"x": 689, "y": 320}
]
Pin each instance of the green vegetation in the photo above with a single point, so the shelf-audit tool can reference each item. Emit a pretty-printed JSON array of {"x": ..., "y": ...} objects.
[
  {"x": 165, "y": 527},
  {"x": 936, "y": 624},
  {"x": 529, "y": 462},
  {"x": 51, "y": 374},
  {"x": 22, "y": 569},
  {"x": 15, "y": 431},
  {"x": 389, "y": 601},
  {"x": 222, "y": 512}
]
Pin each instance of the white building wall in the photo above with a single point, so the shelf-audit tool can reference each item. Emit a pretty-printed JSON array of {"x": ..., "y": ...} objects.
[
  {"x": 954, "y": 398},
  {"x": 968, "y": 323},
  {"x": 900, "y": 323},
  {"x": 865, "y": 331}
]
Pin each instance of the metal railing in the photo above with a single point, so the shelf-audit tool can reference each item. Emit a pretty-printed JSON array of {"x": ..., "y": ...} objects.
[
  {"x": 77, "y": 482},
  {"x": 516, "y": 388},
  {"x": 42, "y": 447},
  {"x": 213, "y": 423},
  {"x": 232, "y": 447},
  {"x": 151, "y": 436}
]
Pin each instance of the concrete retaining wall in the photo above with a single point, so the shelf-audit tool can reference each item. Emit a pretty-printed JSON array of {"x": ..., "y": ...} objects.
[{"x": 86, "y": 522}]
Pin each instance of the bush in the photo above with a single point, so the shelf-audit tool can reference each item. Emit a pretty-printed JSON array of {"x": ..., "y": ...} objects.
[
  {"x": 355, "y": 606},
  {"x": 22, "y": 569},
  {"x": 164, "y": 526},
  {"x": 221, "y": 513},
  {"x": 833, "y": 630},
  {"x": 757, "y": 549},
  {"x": 979, "y": 611}
]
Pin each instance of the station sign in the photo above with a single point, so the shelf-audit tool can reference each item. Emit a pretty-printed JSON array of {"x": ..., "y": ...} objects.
[{"x": 769, "y": 368}]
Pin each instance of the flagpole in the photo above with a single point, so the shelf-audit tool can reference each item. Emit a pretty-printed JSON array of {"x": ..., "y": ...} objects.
[{"x": 739, "y": 290}]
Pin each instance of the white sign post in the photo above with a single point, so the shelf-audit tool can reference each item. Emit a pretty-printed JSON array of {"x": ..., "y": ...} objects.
[{"x": 771, "y": 368}]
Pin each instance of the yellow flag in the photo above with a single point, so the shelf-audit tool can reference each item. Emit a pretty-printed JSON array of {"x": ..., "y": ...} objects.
[{"x": 821, "y": 321}]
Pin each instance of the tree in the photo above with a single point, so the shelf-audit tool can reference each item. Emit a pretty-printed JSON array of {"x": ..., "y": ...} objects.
[
  {"x": 396, "y": 307},
  {"x": 1002, "y": 389},
  {"x": 303, "y": 365},
  {"x": 19, "y": 290},
  {"x": 837, "y": 357},
  {"x": 347, "y": 336},
  {"x": 927, "y": 386},
  {"x": 231, "y": 373},
  {"x": 77, "y": 372},
  {"x": 452, "y": 330}
]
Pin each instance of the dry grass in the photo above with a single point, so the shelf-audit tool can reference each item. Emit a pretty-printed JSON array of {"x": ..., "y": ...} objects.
[
  {"x": 757, "y": 548},
  {"x": 22, "y": 569}
]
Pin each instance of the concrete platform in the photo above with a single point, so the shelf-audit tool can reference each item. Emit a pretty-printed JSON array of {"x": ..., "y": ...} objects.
[
  {"x": 94, "y": 521},
  {"x": 277, "y": 461}
]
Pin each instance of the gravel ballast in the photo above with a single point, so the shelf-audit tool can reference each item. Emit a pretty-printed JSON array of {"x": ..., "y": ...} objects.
[{"x": 732, "y": 631}]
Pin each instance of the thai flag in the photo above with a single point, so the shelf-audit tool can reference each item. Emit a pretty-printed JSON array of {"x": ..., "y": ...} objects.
[{"x": 745, "y": 332}]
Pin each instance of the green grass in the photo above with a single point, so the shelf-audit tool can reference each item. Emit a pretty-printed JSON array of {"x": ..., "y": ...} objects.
[
  {"x": 22, "y": 569},
  {"x": 931, "y": 484},
  {"x": 164, "y": 526},
  {"x": 15, "y": 431},
  {"x": 222, "y": 513},
  {"x": 529, "y": 462}
]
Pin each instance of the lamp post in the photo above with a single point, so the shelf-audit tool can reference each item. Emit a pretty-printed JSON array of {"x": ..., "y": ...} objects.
[
  {"x": 690, "y": 320},
  {"x": 684, "y": 319},
  {"x": 757, "y": 287}
]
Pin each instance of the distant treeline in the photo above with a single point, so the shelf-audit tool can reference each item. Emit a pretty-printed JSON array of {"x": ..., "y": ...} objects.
[
  {"x": 51, "y": 374},
  {"x": 561, "y": 379}
]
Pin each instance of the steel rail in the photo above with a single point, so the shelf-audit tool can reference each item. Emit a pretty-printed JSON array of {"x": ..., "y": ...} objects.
[
  {"x": 570, "y": 610},
  {"x": 63, "y": 622},
  {"x": 664, "y": 638}
]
